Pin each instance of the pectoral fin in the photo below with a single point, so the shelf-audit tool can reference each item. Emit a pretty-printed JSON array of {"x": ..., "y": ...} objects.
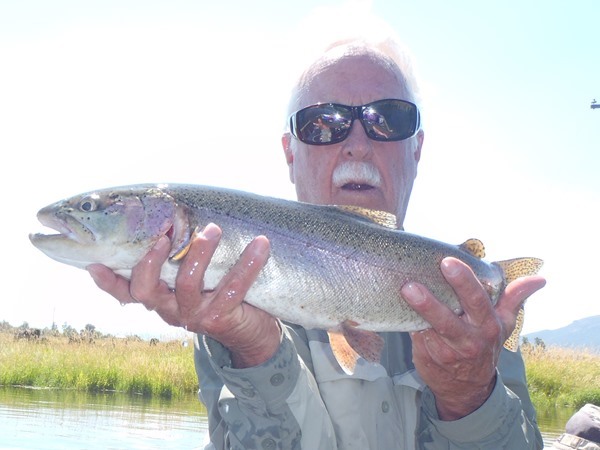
[
  {"x": 344, "y": 354},
  {"x": 349, "y": 343},
  {"x": 181, "y": 252}
]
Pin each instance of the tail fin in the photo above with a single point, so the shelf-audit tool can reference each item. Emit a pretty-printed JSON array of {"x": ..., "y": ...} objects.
[
  {"x": 513, "y": 269},
  {"x": 520, "y": 267}
]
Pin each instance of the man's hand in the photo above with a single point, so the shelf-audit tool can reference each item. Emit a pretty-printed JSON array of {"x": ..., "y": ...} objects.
[
  {"x": 457, "y": 357},
  {"x": 251, "y": 334}
]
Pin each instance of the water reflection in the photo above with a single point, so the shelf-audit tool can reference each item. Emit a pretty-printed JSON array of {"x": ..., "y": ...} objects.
[
  {"x": 58, "y": 419},
  {"x": 552, "y": 423}
]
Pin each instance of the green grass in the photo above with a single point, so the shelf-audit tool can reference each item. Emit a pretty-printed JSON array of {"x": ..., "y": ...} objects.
[
  {"x": 559, "y": 377},
  {"x": 125, "y": 365},
  {"x": 556, "y": 377}
]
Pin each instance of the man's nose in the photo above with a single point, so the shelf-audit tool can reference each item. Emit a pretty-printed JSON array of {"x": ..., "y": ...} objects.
[{"x": 357, "y": 145}]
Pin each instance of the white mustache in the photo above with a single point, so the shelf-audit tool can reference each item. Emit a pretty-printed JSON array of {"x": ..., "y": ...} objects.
[{"x": 357, "y": 172}]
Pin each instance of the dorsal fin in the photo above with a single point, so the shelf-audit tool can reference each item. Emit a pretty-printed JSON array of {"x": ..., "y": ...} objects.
[
  {"x": 383, "y": 218},
  {"x": 473, "y": 247}
]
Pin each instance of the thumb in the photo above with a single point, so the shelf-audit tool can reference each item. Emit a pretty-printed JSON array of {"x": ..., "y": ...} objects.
[{"x": 514, "y": 296}]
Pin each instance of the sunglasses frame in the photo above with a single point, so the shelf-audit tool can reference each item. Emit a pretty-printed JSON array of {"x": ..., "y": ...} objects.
[{"x": 357, "y": 113}]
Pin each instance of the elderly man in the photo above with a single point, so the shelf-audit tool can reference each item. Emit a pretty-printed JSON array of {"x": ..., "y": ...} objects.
[{"x": 354, "y": 139}]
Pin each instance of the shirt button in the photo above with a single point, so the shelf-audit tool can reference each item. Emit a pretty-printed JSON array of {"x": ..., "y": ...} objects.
[
  {"x": 248, "y": 392},
  {"x": 385, "y": 406},
  {"x": 277, "y": 379},
  {"x": 268, "y": 444}
]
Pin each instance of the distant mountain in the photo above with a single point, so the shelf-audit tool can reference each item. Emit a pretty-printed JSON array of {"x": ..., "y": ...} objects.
[{"x": 583, "y": 333}]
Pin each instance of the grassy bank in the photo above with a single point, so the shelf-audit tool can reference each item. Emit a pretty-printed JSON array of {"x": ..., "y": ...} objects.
[
  {"x": 164, "y": 369},
  {"x": 562, "y": 377},
  {"x": 557, "y": 377}
]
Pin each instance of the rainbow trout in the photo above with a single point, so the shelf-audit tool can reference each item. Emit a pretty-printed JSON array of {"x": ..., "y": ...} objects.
[{"x": 333, "y": 268}]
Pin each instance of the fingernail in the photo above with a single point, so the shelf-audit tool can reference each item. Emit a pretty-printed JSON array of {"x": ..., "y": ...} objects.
[
  {"x": 413, "y": 293},
  {"x": 260, "y": 245},
  {"x": 449, "y": 267},
  {"x": 211, "y": 231}
]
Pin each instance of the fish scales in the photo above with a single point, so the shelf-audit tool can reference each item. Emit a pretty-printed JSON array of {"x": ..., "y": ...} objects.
[{"x": 325, "y": 259}]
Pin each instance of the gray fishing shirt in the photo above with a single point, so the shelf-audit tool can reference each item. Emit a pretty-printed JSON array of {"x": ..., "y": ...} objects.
[{"x": 301, "y": 399}]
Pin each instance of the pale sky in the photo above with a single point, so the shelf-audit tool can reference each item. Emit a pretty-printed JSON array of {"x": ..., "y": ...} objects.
[{"x": 103, "y": 93}]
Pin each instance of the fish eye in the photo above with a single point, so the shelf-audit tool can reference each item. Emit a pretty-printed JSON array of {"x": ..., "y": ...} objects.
[{"x": 88, "y": 205}]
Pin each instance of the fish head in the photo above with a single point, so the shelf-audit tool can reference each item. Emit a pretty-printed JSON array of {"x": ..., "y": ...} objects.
[{"x": 115, "y": 227}]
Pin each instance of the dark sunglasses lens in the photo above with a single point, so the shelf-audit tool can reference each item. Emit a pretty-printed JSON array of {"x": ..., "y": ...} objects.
[
  {"x": 323, "y": 124},
  {"x": 390, "y": 120}
]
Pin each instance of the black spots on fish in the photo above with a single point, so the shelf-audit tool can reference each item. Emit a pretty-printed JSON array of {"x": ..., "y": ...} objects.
[
  {"x": 84, "y": 208},
  {"x": 155, "y": 210},
  {"x": 406, "y": 250},
  {"x": 94, "y": 203},
  {"x": 519, "y": 267},
  {"x": 114, "y": 198},
  {"x": 377, "y": 245}
]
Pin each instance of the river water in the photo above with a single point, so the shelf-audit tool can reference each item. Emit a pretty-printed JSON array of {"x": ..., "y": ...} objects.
[{"x": 69, "y": 420}]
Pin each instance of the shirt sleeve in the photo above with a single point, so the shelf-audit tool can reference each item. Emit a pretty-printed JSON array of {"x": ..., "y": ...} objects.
[
  {"x": 506, "y": 420},
  {"x": 275, "y": 405}
]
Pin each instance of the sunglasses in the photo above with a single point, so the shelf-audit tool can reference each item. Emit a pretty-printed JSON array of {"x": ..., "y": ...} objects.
[{"x": 329, "y": 123}]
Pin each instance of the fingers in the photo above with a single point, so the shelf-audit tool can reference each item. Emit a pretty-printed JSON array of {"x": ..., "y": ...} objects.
[
  {"x": 214, "y": 311},
  {"x": 457, "y": 356},
  {"x": 420, "y": 299},
  {"x": 235, "y": 284},
  {"x": 475, "y": 302},
  {"x": 190, "y": 276},
  {"x": 474, "y": 299},
  {"x": 514, "y": 296},
  {"x": 518, "y": 291},
  {"x": 219, "y": 311},
  {"x": 145, "y": 276},
  {"x": 145, "y": 285},
  {"x": 437, "y": 314},
  {"x": 233, "y": 288},
  {"x": 110, "y": 282},
  {"x": 238, "y": 281},
  {"x": 181, "y": 306},
  {"x": 222, "y": 306}
]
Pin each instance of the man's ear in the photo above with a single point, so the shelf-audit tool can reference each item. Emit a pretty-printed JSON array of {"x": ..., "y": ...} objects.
[
  {"x": 286, "y": 140},
  {"x": 420, "y": 138}
]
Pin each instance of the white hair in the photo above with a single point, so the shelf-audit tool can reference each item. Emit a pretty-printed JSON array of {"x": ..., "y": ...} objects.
[{"x": 355, "y": 30}]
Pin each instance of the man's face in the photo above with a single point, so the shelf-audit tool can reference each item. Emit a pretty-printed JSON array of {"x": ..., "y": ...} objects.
[{"x": 357, "y": 171}]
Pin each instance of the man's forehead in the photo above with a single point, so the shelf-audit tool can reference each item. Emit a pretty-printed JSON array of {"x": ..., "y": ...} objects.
[{"x": 351, "y": 72}]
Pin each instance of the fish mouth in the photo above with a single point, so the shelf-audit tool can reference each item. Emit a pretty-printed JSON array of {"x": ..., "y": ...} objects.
[
  {"x": 68, "y": 229},
  {"x": 356, "y": 176}
]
